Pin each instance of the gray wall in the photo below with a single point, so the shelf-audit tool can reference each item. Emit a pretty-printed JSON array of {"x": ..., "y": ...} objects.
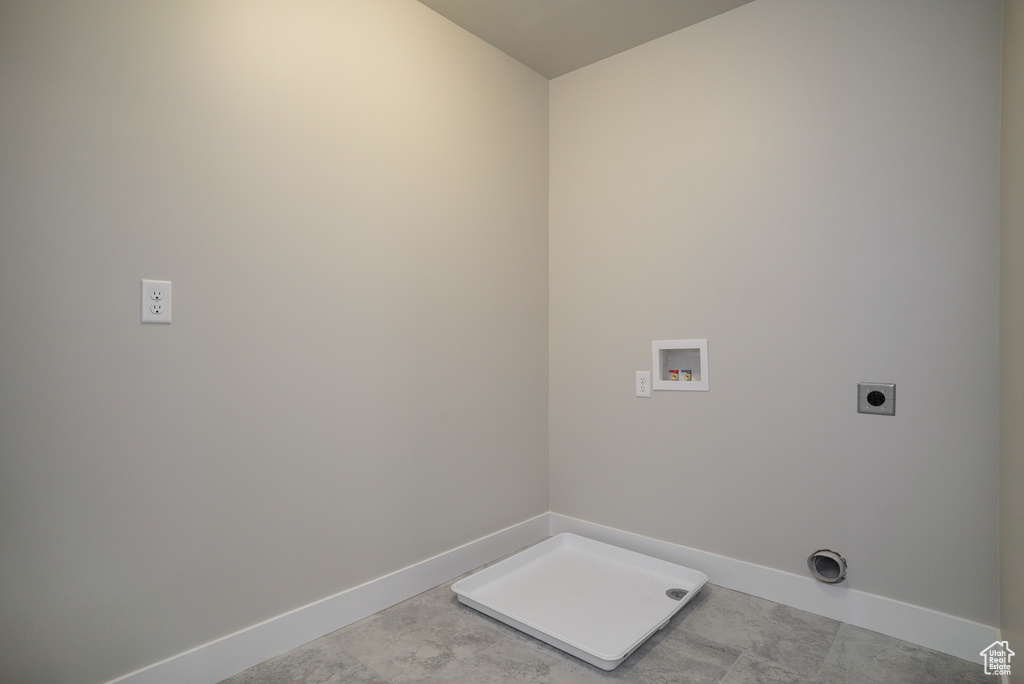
[
  {"x": 813, "y": 186},
  {"x": 1011, "y": 335},
  {"x": 351, "y": 201}
]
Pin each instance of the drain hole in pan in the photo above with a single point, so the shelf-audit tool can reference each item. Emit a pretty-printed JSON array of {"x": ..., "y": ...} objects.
[{"x": 676, "y": 593}]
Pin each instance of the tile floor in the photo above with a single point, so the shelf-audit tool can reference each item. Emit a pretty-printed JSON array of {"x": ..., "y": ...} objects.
[{"x": 720, "y": 637}]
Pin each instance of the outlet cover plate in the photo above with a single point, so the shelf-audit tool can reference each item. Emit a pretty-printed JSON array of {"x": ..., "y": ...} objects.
[
  {"x": 643, "y": 383},
  {"x": 156, "y": 301},
  {"x": 878, "y": 398}
]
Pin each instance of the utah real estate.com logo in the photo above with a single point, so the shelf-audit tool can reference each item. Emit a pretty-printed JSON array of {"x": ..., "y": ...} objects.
[{"x": 997, "y": 658}]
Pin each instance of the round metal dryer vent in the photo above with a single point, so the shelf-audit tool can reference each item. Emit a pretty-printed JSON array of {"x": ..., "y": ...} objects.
[{"x": 827, "y": 566}]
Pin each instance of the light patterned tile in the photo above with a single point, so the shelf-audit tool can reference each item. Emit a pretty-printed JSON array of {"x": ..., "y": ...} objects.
[
  {"x": 318, "y": 662},
  {"x": 674, "y": 656},
  {"x": 521, "y": 658},
  {"x": 750, "y": 670},
  {"x": 518, "y": 660},
  {"x": 794, "y": 639},
  {"x": 860, "y": 656},
  {"x": 419, "y": 638},
  {"x": 363, "y": 676}
]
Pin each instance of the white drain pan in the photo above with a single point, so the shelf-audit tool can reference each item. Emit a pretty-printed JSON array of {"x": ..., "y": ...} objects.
[{"x": 592, "y": 600}]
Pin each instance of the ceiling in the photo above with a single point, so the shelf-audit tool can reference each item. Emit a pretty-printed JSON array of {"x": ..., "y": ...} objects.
[{"x": 554, "y": 37}]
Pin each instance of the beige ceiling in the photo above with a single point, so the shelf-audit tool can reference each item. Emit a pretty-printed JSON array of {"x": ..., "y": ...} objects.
[{"x": 554, "y": 37}]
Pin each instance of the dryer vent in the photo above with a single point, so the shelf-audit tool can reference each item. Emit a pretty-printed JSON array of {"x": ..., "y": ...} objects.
[{"x": 827, "y": 566}]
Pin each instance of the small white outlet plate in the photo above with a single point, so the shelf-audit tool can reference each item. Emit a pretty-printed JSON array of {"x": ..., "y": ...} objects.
[
  {"x": 156, "y": 301},
  {"x": 643, "y": 383},
  {"x": 878, "y": 398}
]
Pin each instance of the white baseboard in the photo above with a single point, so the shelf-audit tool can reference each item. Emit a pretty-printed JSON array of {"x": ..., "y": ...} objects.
[
  {"x": 217, "y": 660},
  {"x": 946, "y": 633}
]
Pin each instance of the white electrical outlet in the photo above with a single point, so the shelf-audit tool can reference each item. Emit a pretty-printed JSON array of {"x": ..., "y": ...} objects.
[
  {"x": 643, "y": 383},
  {"x": 156, "y": 301}
]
